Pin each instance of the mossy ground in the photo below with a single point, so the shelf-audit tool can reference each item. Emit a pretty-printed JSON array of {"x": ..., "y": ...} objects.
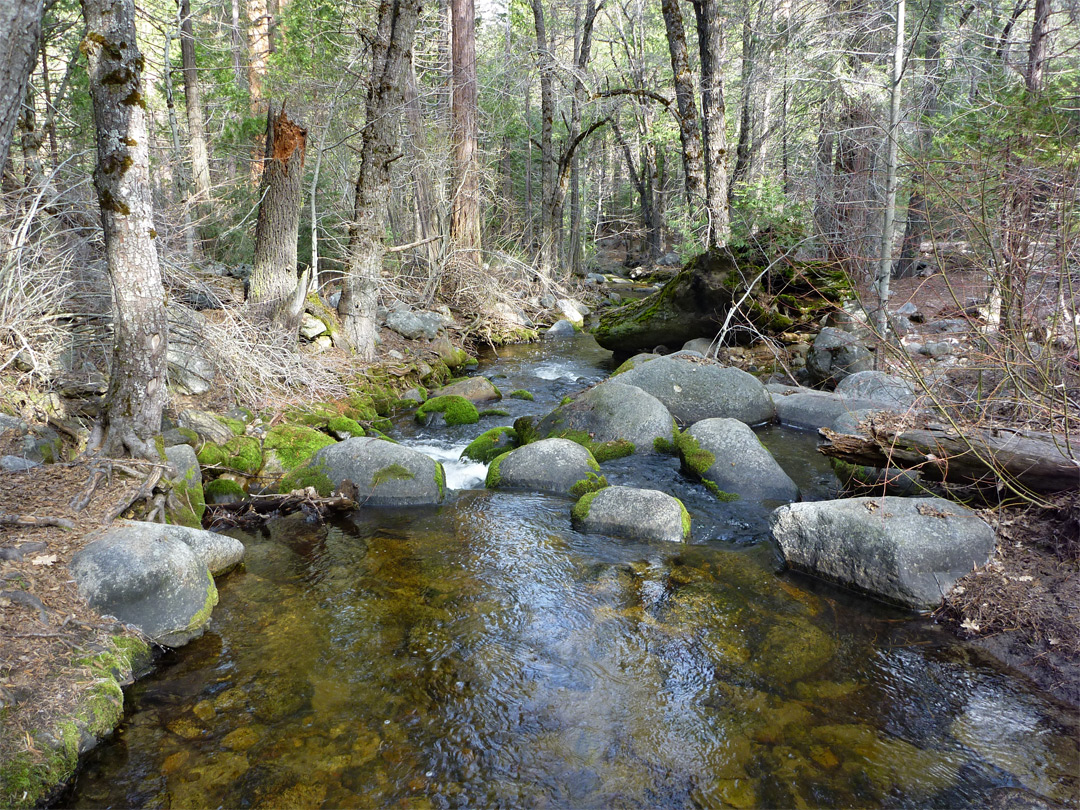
[{"x": 241, "y": 454}]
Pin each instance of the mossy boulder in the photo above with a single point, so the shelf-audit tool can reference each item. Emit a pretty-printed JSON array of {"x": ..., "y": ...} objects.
[
  {"x": 474, "y": 389},
  {"x": 240, "y": 454},
  {"x": 549, "y": 465},
  {"x": 610, "y": 414},
  {"x": 224, "y": 490},
  {"x": 383, "y": 473},
  {"x": 452, "y": 410},
  {"x": 698, "y": 300},
  {"x": 634, "y": 514},
  {"x": 185, "y": 503},
  {"x": 490, "y": 444},
  {"x": 727, "y": 456},
  {"x": 288, "y": 446}
]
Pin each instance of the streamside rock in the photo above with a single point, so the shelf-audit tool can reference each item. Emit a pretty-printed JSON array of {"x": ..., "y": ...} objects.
[
  {"x": 908, "y": 551},
  {"x": 474, "y": 389},
  {"x": 218, "y": 552},
  {"x": 207, "y": 426},
  {"x": 807, "y": 409},
  {"x": 695, "y": 389},
  {"x": 727, "y": 456},
  {"x": 143, "y": 575},
  {"x": 559, "y": 466},
  {"x": 634, "y": 514},
  {"x": 611, "y": 412},
  {"x": 561, "y": 328},
  {"x": 415, "y": 325},
  {"x": 878, "y": 388},
  {"x": 835, "y": 355},
  {"x": 384, "y": 473}
]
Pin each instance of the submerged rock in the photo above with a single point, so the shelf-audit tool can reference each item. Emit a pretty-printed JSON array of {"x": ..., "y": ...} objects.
[
  {"x": 611, "y": 412},
  {"x": 559, "y": 466},
  {"x": 730, "y": 459},
  {"x": 384, "y": 473},
  {"x": 636, "y": 514},
  {"x": 144, "y": 575},
  {"x": 700, "y": 389},
  {"x": 908, "y": 551}
]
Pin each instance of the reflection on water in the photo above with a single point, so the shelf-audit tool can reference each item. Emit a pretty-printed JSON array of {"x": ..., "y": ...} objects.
[{"x": 485, "y": 654}]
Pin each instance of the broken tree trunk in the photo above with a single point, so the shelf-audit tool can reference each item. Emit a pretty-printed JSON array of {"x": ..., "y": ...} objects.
[{"x": 1036, "y": 462}]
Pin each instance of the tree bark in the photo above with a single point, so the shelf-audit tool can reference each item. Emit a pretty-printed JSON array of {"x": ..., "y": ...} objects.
[
  {"x": 714, "y": 133},
  {"x": 273, "y": 289},
  {"x": 390, "y": 57},
  {"x": 20, "y": 30},
  {"x": 200, "y": 160},
  {"x": 258, "y": 56},
  {"x": 137, "y": 390},
  {"x": 465, "y": 205},
  {"x": 546, "y": 64},
  {"x": 689, "y": 126}
]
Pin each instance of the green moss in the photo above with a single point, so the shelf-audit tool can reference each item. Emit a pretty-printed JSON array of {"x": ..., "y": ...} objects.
[
  {"x": 521, "y": 393},
  {"x": 186, "y": 502},
  {"x": 224, "y": 487},
  {"x": 343, "y": 424},
  {"x": 696, "y": 460},
  {"x": 493, "y": 412},
  {"x": 581, "y": 508},
  {"x": 565, "y": 400},
  {"x": 202, "y": 615},
  {"x": 394, "y": 472},
  {"x": 378, "y": 434},
  {"x": 525, "y": 430},
  {"x": 235, "y": 425},
  {"x": 190, "y": 435},
  {"x": 240, "y": 454},
  {"x": 455, "y": 410},
  {"x": 664, "y": 446},
  {"x": 493, "y": 477},
  {"x": 294, "y": 444},
  {"x": 490, "y": 443},
  {"x": 440, "y": 479},
  {"x": 360, "y": 407},
  {"x": 591, "y": 483},
  {"x": 685, "y": 521},
  {"x": 314, "y": 476}
]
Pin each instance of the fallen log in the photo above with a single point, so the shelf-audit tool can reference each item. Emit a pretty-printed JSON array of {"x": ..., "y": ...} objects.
[
  {"x": 258, "y": 508},
  {"x": 1038, "y": 462}
]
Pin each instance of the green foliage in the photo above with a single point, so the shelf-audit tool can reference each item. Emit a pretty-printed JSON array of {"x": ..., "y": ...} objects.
[{"x": 763, "y": 217}]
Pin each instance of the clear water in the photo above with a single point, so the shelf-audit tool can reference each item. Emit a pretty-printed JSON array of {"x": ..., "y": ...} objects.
[{"x": 484, "y": 654}]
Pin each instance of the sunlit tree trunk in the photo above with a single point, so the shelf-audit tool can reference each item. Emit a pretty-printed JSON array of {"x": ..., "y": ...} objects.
[
  {"x": 689, "y": 125},
  {"x": 465, "y": 203},
  {"x": 137, "y": 393},
  {"x": 258, "y": 57},
  {"x": 548, "y": 225}
]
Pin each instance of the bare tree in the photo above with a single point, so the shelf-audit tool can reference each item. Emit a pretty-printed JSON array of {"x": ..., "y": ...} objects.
[
  {"x": 389, "y": 60},
  {"x": 711, "y": 47},
  {"x": 137, "y": 390},
  {"x": 20, "y": 28},
  {"x": 200, "y": 160}
]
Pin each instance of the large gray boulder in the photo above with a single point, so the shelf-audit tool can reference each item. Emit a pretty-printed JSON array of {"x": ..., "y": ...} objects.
[
  {"x": 384, "y": 473},
  {"x": 908, "y": 551},
  {"x": 415, "y": 325},
  {"x": 143, "y": 575},
  {"x": 808, "y": 409},
  {"x": 474, "y": 389},
  {"x": 635, "y": 514},
  {"x": 835, "y": 355},
  {"x": 729, "y": 458},
  {"x": 218, "y": 552},
  {"x": 876, "y": 387},
  {"x": 612, "y": 411},
  {"x": 559, "y": 466},
  {"x": 701, "y": 389}
]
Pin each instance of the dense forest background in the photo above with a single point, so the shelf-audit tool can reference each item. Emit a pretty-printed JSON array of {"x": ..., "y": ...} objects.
[{"x": 503, "y": 151}]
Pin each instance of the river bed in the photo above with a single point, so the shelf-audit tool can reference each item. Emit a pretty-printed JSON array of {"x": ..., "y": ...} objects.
[{"x": 485, "y": 654}]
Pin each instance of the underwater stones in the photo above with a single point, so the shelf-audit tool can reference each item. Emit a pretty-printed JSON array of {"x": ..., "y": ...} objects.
[
  {"x": 727, "y": 454},
  {"x": 384, "y": 473},
  {"x": 696, "y": 389},
  {"x": 635, "y": 514},
  {"x": 611, "y": 412},
  {"x": 549, "y": 465},
  {"x": 835, "y": 355},
  {"x": 142, "y": 574},
  {"x": 908, "y": 551},
  {"x": 474, "y": 389}
]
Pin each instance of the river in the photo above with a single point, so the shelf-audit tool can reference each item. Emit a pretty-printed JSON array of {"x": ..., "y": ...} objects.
[{"x": 485, "y": 654}]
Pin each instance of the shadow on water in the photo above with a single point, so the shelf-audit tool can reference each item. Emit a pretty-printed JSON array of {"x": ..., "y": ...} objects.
[{"x": 483, "y": 653}]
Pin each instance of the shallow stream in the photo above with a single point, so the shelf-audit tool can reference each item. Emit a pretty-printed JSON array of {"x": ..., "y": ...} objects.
[{"x": 485, "y": 654}]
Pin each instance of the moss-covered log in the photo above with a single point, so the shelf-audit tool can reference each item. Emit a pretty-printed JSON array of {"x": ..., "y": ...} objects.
[{"x": 697, "y": 301}]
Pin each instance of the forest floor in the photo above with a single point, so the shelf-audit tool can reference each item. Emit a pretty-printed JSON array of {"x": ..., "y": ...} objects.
[{"x": 1024, "y": 607}]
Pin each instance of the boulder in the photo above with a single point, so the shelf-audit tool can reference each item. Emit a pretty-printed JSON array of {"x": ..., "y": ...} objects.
[
  {"x": 706, "y": 347},
  {"x": 415, "y": 325},
  {"x": 186, "y": 501},
  {"x": 730, "y": 459},
  {"x": 880, "y": 389},
  {"x": 490, "y": 444},
  {"x": 17, "y": 464},
  {"x": 206, "y": 425},
  {"x": 561, "y": 328},
  {"x": 218, "y": 552},
  {"x": 908, "y": 551},
  {"x": 698, "y": 389},
  {"x": 311, "y": 327},
  {"x": 559, "y": 466},
  {"x": 635, "y": 514},
  {"x": 142, "y": 575},
  {"x": 635, "y": 361},
  {"x": 835, "y": 355},
  {"x": 474, "y": 389},
  {"x": 190, "y": 369},
  {"x": 384, "y": 473},
  {"x": 808, "y": 409},
  {"x": 572, "y": 310},
  {"x": 611, "y": 412}
]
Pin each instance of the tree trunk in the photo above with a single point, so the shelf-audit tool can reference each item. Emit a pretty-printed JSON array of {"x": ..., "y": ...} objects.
[
  {"x": 273, "y": 288},
  {"x": 258, "y": 54},
  {"x": 546, "y": 64},
  {"x": 30, "y": 139},
  {"x": 714, "y": 132},
  {"x": 200, "y": 160},
  {"x": 137, "y": 391},
  {"x": 20, "y": 29},
  {"x": 177, "y": 176},
  {"x": 689, "y": 128},
  {"x": 465, "y": 205},
  {"x": 390, "y": 57},
  {"x": 425, "y": 191}
]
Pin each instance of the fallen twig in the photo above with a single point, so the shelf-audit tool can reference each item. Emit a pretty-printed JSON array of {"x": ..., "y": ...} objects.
[{"x": 7, "y": 519}]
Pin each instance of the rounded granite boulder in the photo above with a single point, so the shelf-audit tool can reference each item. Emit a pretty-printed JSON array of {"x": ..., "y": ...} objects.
[
  {"x": 559, "y": 466},
  {"x": 611, "y": 412},
  {"x": 384, "y": 473},
  {"x": 727, "y": 456},
  {"x": 635, "y": 514}
]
